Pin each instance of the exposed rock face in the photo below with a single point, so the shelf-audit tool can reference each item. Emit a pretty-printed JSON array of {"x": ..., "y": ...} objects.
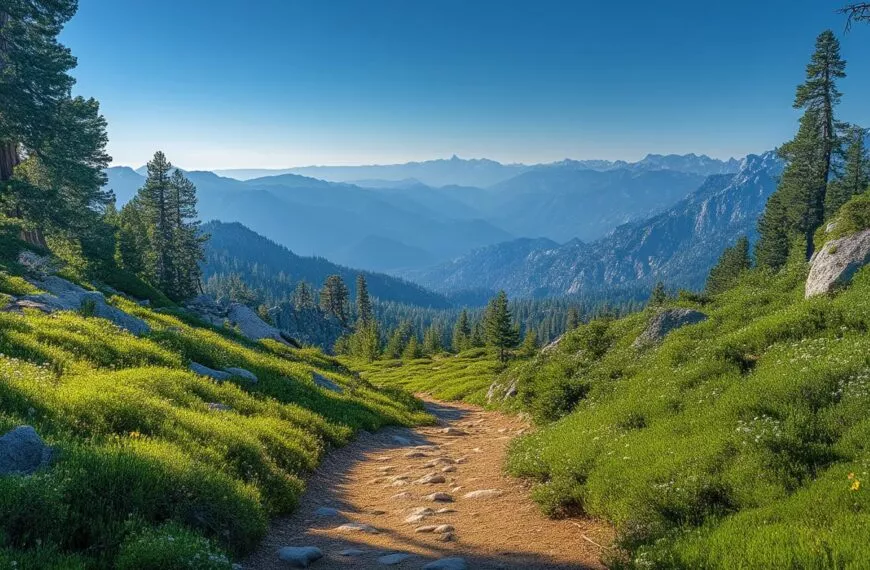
[
  {"x": 22, "y": 451},
  {"x": 248, "y": 322},
  {"x": 63, "y": 295},
  {"x": 36, "y": 264},
  {"x": 836, "y": 262},
  {"x": 501, "y": 390},
  {"x": 242, "y": 373},
  {"x": 666, "y": 321}
]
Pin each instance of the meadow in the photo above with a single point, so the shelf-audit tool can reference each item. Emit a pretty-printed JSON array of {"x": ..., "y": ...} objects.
[{"x": 157, "y": 467}]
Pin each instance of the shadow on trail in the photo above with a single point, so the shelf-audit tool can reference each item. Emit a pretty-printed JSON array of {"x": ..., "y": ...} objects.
[{"x": 328, "y": 488}]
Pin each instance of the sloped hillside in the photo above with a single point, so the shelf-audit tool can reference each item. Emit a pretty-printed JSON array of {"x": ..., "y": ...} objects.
[
  {"x": 149, "y": 465},
  {"x": 736, "y": 442}
]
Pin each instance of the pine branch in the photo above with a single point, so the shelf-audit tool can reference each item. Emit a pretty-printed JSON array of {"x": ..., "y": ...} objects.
[{"x": 858, "y": 12}]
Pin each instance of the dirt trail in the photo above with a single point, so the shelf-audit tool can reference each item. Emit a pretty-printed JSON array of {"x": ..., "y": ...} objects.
[{"x": 379, "y": 481}]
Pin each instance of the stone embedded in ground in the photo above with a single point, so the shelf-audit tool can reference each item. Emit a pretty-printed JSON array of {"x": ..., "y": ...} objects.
[
  {"x": 439, "y": 497},
  {"x": 242, "y": 373},
  {"x": 218, "y": 407},
  {"x": 444, "y": 528},
  {"x": 431, "y": 479},
  {"x": 393, "y": 559},
  {"x": 299, "y": 556},
  {"x": 453, "y": 431},
  {"x": 327, "y": 512},
  {"x": 204, "y": 370},
  {"x": 422, "y": 511},
  {"x": 401, "y": 440},
  {"x": 426, "y": 528},
  {"x": 444, "y": 511},
  {"x": 415, "y": 454},
  {"x": 446, "y": 537},
  {"x": 358, "y": 527},
  {"x": 386, "y": 468},
  {"x": 426, "y": 447},
  {"x": 460, "y": 460},
  {"x": 352, "y": 552},
  {"x": 451, "y": 563},
  {"x": 326, "y": 383},
  {"x": 22, "y": 451},
  {"x": 483, "y": 494},
  {"x": 413, "y": 519},
  {"x": 455, "y": 489},
  {"x": 376, "y": 512},
  {"x": 402, "y": 496},
  {"x": 448, "y": 469},
  {"x": 399, "y": 483},
  {"x": 835, "y": 263}
]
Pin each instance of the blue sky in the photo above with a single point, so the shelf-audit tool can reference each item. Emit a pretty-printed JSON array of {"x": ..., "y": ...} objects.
[{"x": 275, "y": 83}]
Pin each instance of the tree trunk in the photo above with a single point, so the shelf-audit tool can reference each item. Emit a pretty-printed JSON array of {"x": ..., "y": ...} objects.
[{"x": 8, "y": 160}]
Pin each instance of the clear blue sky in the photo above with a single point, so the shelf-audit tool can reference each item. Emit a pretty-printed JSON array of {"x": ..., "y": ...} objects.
[{"x": 273, "y": 83}]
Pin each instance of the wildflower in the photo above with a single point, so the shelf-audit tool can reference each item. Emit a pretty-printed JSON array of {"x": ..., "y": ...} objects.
[
  {"x": 135, "y": 434},
  {"x": 856, "y": 484}
]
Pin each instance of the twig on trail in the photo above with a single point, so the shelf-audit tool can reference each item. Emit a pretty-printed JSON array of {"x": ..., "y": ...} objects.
[{"x": 587, "y": 539}]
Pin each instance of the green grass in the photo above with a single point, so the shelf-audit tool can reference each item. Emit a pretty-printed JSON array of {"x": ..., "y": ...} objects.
[
  {"x": 466, "y": 376},
  {"x": 147, "y": 474},
  {"x": 730, "y": 444}
]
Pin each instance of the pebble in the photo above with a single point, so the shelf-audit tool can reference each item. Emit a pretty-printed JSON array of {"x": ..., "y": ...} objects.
[
  {"x": 327, "y": 512},
  {"x": 402, "y": 496},
  {"x": 358, "y": 527},
  {"x": 444, "y": 511},
  {"x": 415, "y": 454},
  {"x": 448, "y": 469},
  {"x": 299, "y": 556},
  {"x": 455, "y": 489},
  {"x": 444, "y": 528},
  {"x": 415, "y": 519},
  {"x": 453, "y": 431},
  {"x": 452, "y": 563},
  {"x": 439, "y": 497},
  {"x": 393, "y": 559},
  {"x": 446, "y": 537},
  {"x": 426, "y": 528},
  {"x": 483, "y": 494},
  {"x": 422, "y": 511}
]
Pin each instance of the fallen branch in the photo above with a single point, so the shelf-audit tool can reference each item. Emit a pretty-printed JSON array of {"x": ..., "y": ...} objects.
[{"x": 587, "y": 539}]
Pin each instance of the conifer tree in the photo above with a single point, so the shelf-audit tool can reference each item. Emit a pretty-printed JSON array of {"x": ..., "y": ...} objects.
[
  {"x": 412, "y": 348},
  {"x": 462, "y": 333},
  {"x": 855, "y": 178},
  {"x": 58, "y": 141},
  {"x": 733, "y": 262},
  {"x": 478, "y": 335},
  {"x": 155, "y": 199},
  {"x": 186, "y": 248},
  {"x": 364, "y": 314},
  {"x": 303, "y": 297},
  {"x": 398, "y": 340},
  {"x": 498, "y": 326},
  {"x": 432, "y": 340},
  {"x": 572, "y": 321},
  {"x": 365, "y": 342},
  {"x": 659, "y": 295},
  {"x": 530, "y": 344},
  {"x": 334, "y": 298}
]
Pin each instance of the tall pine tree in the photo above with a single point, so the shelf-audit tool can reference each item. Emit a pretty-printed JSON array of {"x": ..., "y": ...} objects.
[
  {"x": 462, "y": 333},
  {"x": 364, "y": 314},
  {"x": 499, "y": 328},
  {"x": 156, "y": 201},
  {"x": 334, "y": 298},
  {"x": 732, "y": 263},
  {"x": 855, "y": 178}
]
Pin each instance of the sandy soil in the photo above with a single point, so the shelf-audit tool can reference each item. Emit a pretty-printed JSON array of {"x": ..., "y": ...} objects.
[{"x": 362, "y": 482}]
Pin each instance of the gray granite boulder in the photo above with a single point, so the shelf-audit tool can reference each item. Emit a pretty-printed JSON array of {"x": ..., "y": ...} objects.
[
  {"x": 326, "y": 383},
  {"x": 203, "y": 370},
  {"x": 836, "y": 262},
  {"x": 242, "y": 373},
  {"x": 22, "y": 451},
  {"x": 666, "y": 321},
  {"x": 299, "y": 556}
]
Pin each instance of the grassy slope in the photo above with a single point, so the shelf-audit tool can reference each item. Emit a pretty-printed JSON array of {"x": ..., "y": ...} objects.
[
  {"x": 731, "y": 444},
  {"x": 145, "y": 469},
  {"x": 466, "y": 376}
]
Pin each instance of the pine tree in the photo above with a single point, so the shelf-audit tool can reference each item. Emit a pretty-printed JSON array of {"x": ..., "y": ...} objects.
[
  {"x": 398, "y": 340},
  {"x": 478, "y": 335},
  {"x": 432, "y": 340},
  {"x": 733, "y": 262},
  {"x": 303, "y": 297},
  {"x": 856, "y": 175},
  {"x": 799, "y": 207},
  {"x": 530, "y": 344},
  {"x": 365, "y": 342},
  {"x": 498, "y": 326},
  {"x": 186, "y": 250},
  {"x": 334, "y": 298},
  {"x": 364, "y": 313},
  {"x": 58, "y": 141},
  {"x": 659, "y": 295},
  {"x": 572, "y": 321},
  {"x": 412, "y": 349},
  {"x": 132, "y": 245},
  {"x": 155, "y": 199},
  {"x": 462, "y": 333}
]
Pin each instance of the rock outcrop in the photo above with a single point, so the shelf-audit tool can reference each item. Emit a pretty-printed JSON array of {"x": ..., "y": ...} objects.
[
  {"x": 237, "y": 315},
  {"x": 667, "y": 320},
  {"x": 836, "y": 262},
  {"x": 326, "y": 383},
  {"x": 204, "y": 370},
  {"x": 63, "y": 295},
  {"x": 501, "y": 390},
  {"x": 23, "y": 452}
]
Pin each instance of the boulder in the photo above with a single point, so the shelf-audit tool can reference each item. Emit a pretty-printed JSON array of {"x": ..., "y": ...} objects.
[
  {"x": 63, "y": 295},
  {"x": 218, "y": 407},
  {"x": 23, "y": 452},
  {"x": 35, "y": 264},
  {"x": 299, "y": 556},
  {"x": 250, "y": 324},
  {"x": 836, "y": 262},
  {"x": 667, "y": 320},
  {"x": 501, "y": 391},
  {"x": 326, "y": 383},
  {"x": 242, "y": 373},
  {"x": 203, "y": 370}
]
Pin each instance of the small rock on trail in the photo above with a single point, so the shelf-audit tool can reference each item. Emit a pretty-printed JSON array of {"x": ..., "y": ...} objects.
[
  {"x": 483, "y": 494},
  {"x": 299, "y": 556},
  {"x": 452, "y": 563}
]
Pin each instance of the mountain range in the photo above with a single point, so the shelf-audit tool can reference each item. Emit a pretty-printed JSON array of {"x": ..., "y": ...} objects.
[
  {"x": 407, "y": 224},
  {"x": 678, "y": 245}
]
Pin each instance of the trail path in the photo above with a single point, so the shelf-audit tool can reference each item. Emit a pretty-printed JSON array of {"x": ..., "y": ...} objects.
[{"x": 378, "y": 487}]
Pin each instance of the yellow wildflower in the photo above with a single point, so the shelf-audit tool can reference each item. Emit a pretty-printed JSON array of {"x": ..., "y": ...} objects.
[{"x": 856, "y": 484}]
